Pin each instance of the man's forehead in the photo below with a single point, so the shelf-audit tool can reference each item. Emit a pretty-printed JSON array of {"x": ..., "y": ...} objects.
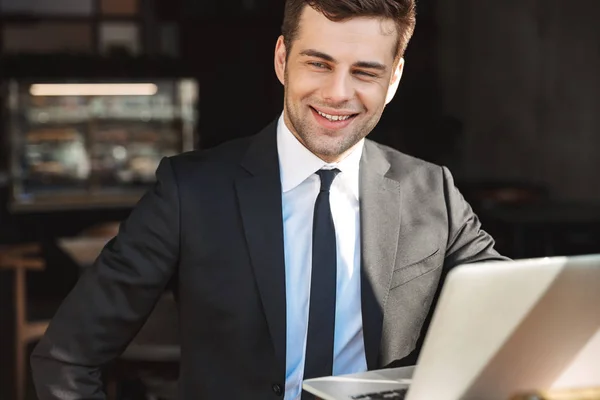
[{"x": 362, "y": 33}]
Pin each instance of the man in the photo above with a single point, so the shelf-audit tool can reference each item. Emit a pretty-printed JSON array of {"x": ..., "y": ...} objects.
[{"x": 305, "y": 250}]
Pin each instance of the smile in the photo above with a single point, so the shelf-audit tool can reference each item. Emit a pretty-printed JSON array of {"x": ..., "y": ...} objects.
[
  {"x": 334, "y": 117},
  {"x": 332, "y": 121}
]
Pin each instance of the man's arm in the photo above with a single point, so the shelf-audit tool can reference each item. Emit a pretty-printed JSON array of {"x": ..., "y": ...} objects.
[
  {"x": 467, "y": 242},
  {"x": 111, "y": 301}
]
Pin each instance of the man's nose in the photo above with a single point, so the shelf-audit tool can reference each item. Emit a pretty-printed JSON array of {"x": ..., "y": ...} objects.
[{"x": 338, "y": 88}]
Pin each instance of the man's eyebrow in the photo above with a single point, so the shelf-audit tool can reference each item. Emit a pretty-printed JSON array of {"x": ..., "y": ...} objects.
[
  {"x": 370, "y": 65},
  {"x": 317, "y": 54},
  {"x": 359, "y": 64}
]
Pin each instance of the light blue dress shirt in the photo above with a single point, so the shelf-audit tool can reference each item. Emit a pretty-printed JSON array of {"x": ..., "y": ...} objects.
[{"x": 300, "y": 187}]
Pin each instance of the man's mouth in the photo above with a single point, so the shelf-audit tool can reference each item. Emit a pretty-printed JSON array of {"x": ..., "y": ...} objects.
[{"x": 337, "y": 116}]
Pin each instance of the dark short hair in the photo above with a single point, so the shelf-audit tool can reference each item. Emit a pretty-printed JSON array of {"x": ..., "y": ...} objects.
[{"x": 402, "y": 12}]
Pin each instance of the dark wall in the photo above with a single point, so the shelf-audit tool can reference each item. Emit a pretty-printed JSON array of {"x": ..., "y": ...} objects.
[{"x": 523, "y": 77}]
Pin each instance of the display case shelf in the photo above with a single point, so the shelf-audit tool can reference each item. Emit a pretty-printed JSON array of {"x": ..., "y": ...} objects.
[{"x": 94, "y": 144}]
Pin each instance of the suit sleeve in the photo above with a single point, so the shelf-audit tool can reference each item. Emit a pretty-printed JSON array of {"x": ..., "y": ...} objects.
[
  {"x": 467, "y": 242},
  {"x": 111, "y": 301}
]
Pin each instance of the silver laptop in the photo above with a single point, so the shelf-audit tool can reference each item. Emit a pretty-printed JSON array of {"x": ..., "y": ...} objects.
[{"x": 499, "y": 328}]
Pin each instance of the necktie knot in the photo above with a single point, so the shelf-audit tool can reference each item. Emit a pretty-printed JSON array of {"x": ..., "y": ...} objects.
[{"x": 327, "y": 176}]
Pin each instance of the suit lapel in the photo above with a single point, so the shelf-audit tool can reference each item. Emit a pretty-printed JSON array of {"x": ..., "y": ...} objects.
[
  {"x": 380, "y": 204},
  {"x": 259, "y": 196}
]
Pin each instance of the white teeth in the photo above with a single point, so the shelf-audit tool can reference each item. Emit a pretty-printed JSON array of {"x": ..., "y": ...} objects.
[{"x": 334, "y": 117}]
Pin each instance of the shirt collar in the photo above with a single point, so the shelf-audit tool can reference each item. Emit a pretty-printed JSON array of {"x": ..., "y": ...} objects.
[{"x": 297, "y": 163}]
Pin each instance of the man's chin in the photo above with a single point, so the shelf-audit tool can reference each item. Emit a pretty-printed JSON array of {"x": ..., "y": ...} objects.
[{"x": 328, "y": 152}]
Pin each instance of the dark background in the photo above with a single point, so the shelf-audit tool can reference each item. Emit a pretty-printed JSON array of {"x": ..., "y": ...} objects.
[{"x": 505, "y": 93}]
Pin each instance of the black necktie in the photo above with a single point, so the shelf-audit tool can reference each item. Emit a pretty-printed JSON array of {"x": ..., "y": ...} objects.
[{"x": 321, "y": 320}]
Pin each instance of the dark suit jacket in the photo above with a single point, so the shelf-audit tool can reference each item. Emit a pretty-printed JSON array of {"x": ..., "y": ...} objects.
[{"x": 212, "y": 225}]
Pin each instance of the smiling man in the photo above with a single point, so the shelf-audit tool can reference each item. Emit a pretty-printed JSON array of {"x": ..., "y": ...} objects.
[
  {"x": 339, "y": 70},
  {"x": 304, "y": 250}
]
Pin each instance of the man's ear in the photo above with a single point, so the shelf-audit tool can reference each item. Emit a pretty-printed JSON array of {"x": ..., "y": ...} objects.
[
  {"x": 280, "y": 59},
  {"x": 396, "y": 77}
]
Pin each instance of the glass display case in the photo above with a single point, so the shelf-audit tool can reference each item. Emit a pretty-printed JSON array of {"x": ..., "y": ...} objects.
[{"x": 94, "y": 144}]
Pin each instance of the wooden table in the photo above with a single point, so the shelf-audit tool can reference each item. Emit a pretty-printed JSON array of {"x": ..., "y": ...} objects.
[{"x": 83, "y": 250}]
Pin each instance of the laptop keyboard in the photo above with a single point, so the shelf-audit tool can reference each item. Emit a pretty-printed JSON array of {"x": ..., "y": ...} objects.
[{"x": 398, "y": 394}]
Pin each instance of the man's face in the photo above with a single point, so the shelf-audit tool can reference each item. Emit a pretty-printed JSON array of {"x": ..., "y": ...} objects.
[{"x": 336, "y": 78}]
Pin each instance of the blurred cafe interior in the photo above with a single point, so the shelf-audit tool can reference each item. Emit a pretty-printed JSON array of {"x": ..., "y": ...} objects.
[{"x": 93, "y": 93}]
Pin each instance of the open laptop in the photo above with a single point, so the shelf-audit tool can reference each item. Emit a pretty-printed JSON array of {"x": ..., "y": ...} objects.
[{"x": 499, "y": 328}]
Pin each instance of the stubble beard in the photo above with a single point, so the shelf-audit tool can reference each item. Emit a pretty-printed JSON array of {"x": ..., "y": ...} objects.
[{"x": 320, "y": 144}]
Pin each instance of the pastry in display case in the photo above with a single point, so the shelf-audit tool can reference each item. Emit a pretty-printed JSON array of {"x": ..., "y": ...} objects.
[{"x": 94, "y": 144}]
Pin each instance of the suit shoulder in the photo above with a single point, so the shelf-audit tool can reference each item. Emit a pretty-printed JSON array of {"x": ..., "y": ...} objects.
[
  {"x": 405, "y": 163},
  {"x": 422, "y": 179},
  {"x": 222, "y": 158}
]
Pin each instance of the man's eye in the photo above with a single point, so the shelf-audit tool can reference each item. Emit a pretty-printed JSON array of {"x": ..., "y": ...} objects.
[
  {"x": 318, "y": 65},
  {"x": 367, "y": 74}
]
